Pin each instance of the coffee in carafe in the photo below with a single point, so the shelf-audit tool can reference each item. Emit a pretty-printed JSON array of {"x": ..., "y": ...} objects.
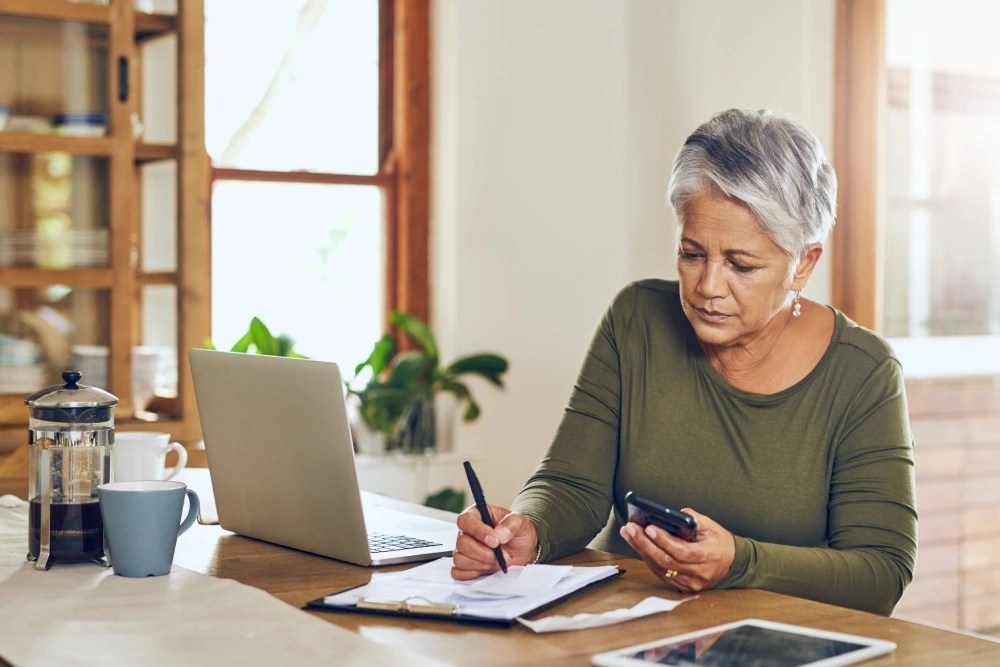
[{"x": 71, "y": 433}]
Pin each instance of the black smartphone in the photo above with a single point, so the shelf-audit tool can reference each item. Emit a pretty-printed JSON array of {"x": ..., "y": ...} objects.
[{"x": 644, "y": 511}]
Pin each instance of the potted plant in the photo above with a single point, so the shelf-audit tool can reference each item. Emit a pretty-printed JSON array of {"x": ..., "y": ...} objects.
[{"x": 398, "y": 398}]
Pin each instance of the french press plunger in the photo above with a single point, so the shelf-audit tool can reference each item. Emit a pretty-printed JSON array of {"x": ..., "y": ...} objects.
[{"x": 71, "y": 432}]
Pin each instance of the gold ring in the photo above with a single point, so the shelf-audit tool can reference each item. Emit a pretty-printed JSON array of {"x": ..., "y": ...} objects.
[{"x": 670, "y": 574}]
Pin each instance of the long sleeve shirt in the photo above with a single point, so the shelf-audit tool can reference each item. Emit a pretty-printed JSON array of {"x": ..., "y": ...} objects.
[{"x": 815, "y": 482}]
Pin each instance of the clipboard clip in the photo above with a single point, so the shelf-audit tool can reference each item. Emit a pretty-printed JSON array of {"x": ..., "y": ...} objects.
[{"x": 408, "y": 607}]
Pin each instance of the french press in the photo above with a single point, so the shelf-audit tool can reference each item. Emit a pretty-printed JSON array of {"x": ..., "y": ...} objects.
[{"x": 71, "y": 432}]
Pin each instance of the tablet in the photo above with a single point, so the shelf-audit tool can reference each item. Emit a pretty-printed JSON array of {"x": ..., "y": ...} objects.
[{"x": 750, "y": 642}]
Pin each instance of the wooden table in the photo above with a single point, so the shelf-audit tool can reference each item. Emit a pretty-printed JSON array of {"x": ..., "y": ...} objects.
[{"x": 297, "y": 577}]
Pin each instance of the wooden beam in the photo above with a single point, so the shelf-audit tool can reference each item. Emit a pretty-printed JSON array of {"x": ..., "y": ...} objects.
[
  {"x": 226, "y": 173},
  {"x": 859, "y": 159},
  {"x": 123, "y": 207},
  {"x": 57, "y": 9},
  {"x": 411, "y": 123},
  {"x": 194, "y": 288}
]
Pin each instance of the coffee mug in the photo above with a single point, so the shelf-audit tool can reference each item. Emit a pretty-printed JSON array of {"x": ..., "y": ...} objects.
[
  {"x": 142, "y": 455},
  {"x": 142, "y": 521}
]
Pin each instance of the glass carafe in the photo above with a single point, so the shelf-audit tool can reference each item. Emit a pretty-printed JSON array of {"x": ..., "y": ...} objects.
[{"x": 71, "y": 433}]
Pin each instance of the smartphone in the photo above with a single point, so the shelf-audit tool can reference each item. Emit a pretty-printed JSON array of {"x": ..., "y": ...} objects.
[{"x": 644, "y": 511}]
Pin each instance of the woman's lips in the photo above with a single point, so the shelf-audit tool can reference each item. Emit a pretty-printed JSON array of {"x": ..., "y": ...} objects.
[{"x": 711, "y": 316}]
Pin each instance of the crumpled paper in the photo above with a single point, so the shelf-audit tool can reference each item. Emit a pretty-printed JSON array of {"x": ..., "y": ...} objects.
[
  {"x": 649, "y": 606},
  {"x": 11, "y": 501}
]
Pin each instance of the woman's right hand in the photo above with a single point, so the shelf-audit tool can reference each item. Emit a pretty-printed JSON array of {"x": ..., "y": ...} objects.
[{"x": 474, "y": 557}]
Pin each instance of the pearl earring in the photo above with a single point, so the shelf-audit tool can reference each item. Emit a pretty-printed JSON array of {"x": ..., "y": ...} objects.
[{"x": 796, "y": 306}]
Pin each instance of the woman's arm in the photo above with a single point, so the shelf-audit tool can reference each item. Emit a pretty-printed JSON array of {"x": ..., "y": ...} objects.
[
  {"x": 872, "y": 521},
  {"x": 569, "y": 497}
]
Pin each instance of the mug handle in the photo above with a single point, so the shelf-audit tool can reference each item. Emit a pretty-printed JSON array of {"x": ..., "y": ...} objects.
[
  {"x": 182, "y": 459},
  {"x": 193, "y": 506}
]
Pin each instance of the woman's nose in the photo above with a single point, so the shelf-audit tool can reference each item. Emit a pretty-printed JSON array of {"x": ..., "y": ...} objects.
[{"x": 712, "y": 282}]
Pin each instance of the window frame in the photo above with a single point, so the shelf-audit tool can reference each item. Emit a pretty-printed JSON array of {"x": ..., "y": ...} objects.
[
  {"x": 859, "y": 159},
  {"x": 403, "y": 174}
]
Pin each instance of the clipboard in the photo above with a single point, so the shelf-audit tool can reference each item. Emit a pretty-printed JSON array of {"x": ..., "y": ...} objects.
[{"x": 417, "y": 607}]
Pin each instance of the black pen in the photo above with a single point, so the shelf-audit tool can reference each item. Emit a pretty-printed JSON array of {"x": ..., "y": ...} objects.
[{"x": 484, "y": 511}]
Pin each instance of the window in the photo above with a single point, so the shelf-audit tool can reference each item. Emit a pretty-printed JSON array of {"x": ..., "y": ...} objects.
[
  {"x": 919, "y": 228},
  {"x": 319, "y": 177}
]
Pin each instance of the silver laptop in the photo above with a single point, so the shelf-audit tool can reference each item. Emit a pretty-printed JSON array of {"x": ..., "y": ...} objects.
[{"x": 282, "y": 463}]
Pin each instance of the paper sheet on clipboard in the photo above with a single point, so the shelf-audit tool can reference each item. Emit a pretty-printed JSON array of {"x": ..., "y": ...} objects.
[{"x": 501, "y": 597}]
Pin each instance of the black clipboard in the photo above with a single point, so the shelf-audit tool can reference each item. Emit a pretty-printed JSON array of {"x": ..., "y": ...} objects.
[{"x": 414, "y": 608}]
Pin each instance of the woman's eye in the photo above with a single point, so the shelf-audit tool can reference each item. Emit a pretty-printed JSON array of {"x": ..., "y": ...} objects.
[
  {"x": 740, "y": 268},
  {"x": 689, "y": 255}
]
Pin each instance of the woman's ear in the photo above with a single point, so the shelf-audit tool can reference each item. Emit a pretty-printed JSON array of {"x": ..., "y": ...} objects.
[{"x": 806, "y": 265}]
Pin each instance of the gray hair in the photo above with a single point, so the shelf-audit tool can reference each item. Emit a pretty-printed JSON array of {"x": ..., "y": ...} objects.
[{"x": 774, "y": 166}]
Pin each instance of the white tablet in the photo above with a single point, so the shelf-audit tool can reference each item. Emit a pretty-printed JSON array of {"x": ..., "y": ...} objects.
[{"x": 750, "y": 642}]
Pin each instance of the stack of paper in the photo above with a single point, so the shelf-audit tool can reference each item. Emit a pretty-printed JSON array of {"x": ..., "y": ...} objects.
[{"x": 496, "y": 597}]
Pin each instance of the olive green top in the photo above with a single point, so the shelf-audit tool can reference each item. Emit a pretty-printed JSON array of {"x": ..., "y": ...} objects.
[{"x": 815, "y": 482}]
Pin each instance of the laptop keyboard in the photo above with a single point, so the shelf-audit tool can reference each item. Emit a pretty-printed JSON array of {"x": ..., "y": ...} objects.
[{"x": 379, "y": 543}]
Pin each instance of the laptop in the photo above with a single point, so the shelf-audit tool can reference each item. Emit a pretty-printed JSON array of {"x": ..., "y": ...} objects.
[{"x": 281, "y": 458}]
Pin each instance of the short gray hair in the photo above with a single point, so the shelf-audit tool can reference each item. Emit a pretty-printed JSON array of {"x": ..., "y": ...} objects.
[{"x": 774, "y": 166}]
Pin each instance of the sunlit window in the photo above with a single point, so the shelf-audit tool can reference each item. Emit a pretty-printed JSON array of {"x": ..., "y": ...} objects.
[
  {"x": 292, "y": 127},
  {"x": 942, "y": 205}
]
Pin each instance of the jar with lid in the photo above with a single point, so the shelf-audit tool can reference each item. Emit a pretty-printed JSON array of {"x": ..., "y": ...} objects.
[{"x": 70, "y": 433}]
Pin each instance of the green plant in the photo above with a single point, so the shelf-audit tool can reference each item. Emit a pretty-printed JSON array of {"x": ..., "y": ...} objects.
[
  {"x": 259, "y": 339},
  {"x": 398, "y": 398},
  {"x": 447, "y": 499}
]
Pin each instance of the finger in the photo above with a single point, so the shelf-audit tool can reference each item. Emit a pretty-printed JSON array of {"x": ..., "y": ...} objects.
[
  {"x": 658, "y": 560},
  {"x": 471, "y": 523},
  {"x": 512, "y": 525},
  {"x": 473, "y": 566},
  {"x": 475, "y": 550},
  {"x": 678, "y": 549}
]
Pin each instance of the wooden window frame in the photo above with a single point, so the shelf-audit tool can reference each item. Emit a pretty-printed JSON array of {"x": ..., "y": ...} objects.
[
  {"x": 859, "y": 158},
  {"x": 404, "y": 156}
]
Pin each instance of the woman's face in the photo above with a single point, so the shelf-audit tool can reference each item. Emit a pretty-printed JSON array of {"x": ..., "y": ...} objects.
[{"x": 734, "y": 279}]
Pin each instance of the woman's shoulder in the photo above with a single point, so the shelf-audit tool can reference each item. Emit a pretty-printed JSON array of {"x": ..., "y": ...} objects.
[
  {"x": 649, "y": 291},
  {"x": 651, "y": 301},
  {"x": 865, "y": 342}
]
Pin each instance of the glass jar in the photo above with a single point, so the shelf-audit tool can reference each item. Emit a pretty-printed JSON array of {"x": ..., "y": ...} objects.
[{"x": 71, "y": 433}]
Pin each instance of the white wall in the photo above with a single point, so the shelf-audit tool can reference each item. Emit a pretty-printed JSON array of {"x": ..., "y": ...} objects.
[{"x": 555, "y": 123}]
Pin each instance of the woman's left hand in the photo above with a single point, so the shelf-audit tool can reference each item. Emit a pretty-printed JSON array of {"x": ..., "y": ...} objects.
[{"x": 687, "y": 566}]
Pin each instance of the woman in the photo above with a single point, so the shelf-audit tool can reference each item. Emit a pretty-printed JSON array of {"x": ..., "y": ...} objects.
[{"x": 779, "y": 423}]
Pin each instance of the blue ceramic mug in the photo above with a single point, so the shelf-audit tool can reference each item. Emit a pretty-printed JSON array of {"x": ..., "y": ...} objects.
[{"x": 142, "y": 521}]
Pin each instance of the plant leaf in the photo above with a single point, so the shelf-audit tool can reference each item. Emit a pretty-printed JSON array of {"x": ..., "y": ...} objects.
[
  {"x": 285, "y": 345},
  {"x": 383, "y": 406},
  {"x": 243, "y": 344},
  {"x": 381, "y": 354},
  {"x": 448, "y": 499},
  {"x": 411, "y": 369},
  {"x": 417, "y": 330},
  {"x": 489, "y": 366},
  {"x": 463, "y": 393},
  {"x": 471, "y": 412},
  {"x": 263, "y": 339}
]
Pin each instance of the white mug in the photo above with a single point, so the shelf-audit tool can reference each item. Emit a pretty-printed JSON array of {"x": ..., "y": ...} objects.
[{"x": 142, "y": 455}]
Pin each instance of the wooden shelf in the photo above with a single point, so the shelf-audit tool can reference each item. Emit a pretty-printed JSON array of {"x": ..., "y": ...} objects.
[
  {"x": 155, "y": 152},
  {"x": 62, "y": 10},
  {"x": 28, "y": 142},
  {"x": 147, "y": 26},
  {"x": 151, "y": 26},
  {"x": 33, "y": 278}
]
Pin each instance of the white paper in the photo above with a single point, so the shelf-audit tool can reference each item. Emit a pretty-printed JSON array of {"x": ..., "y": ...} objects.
[
  {"x": 521, "y": 579},
  {"x": 497, "y": 597},
  {"x": 647, "y": 607}
]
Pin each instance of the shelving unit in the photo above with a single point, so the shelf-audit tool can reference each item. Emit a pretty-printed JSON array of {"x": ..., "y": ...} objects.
[{"x": 80, "y": 53}]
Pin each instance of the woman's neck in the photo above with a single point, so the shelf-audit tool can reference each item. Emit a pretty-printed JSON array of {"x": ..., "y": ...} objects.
[{"x": 780, "y": 356}]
